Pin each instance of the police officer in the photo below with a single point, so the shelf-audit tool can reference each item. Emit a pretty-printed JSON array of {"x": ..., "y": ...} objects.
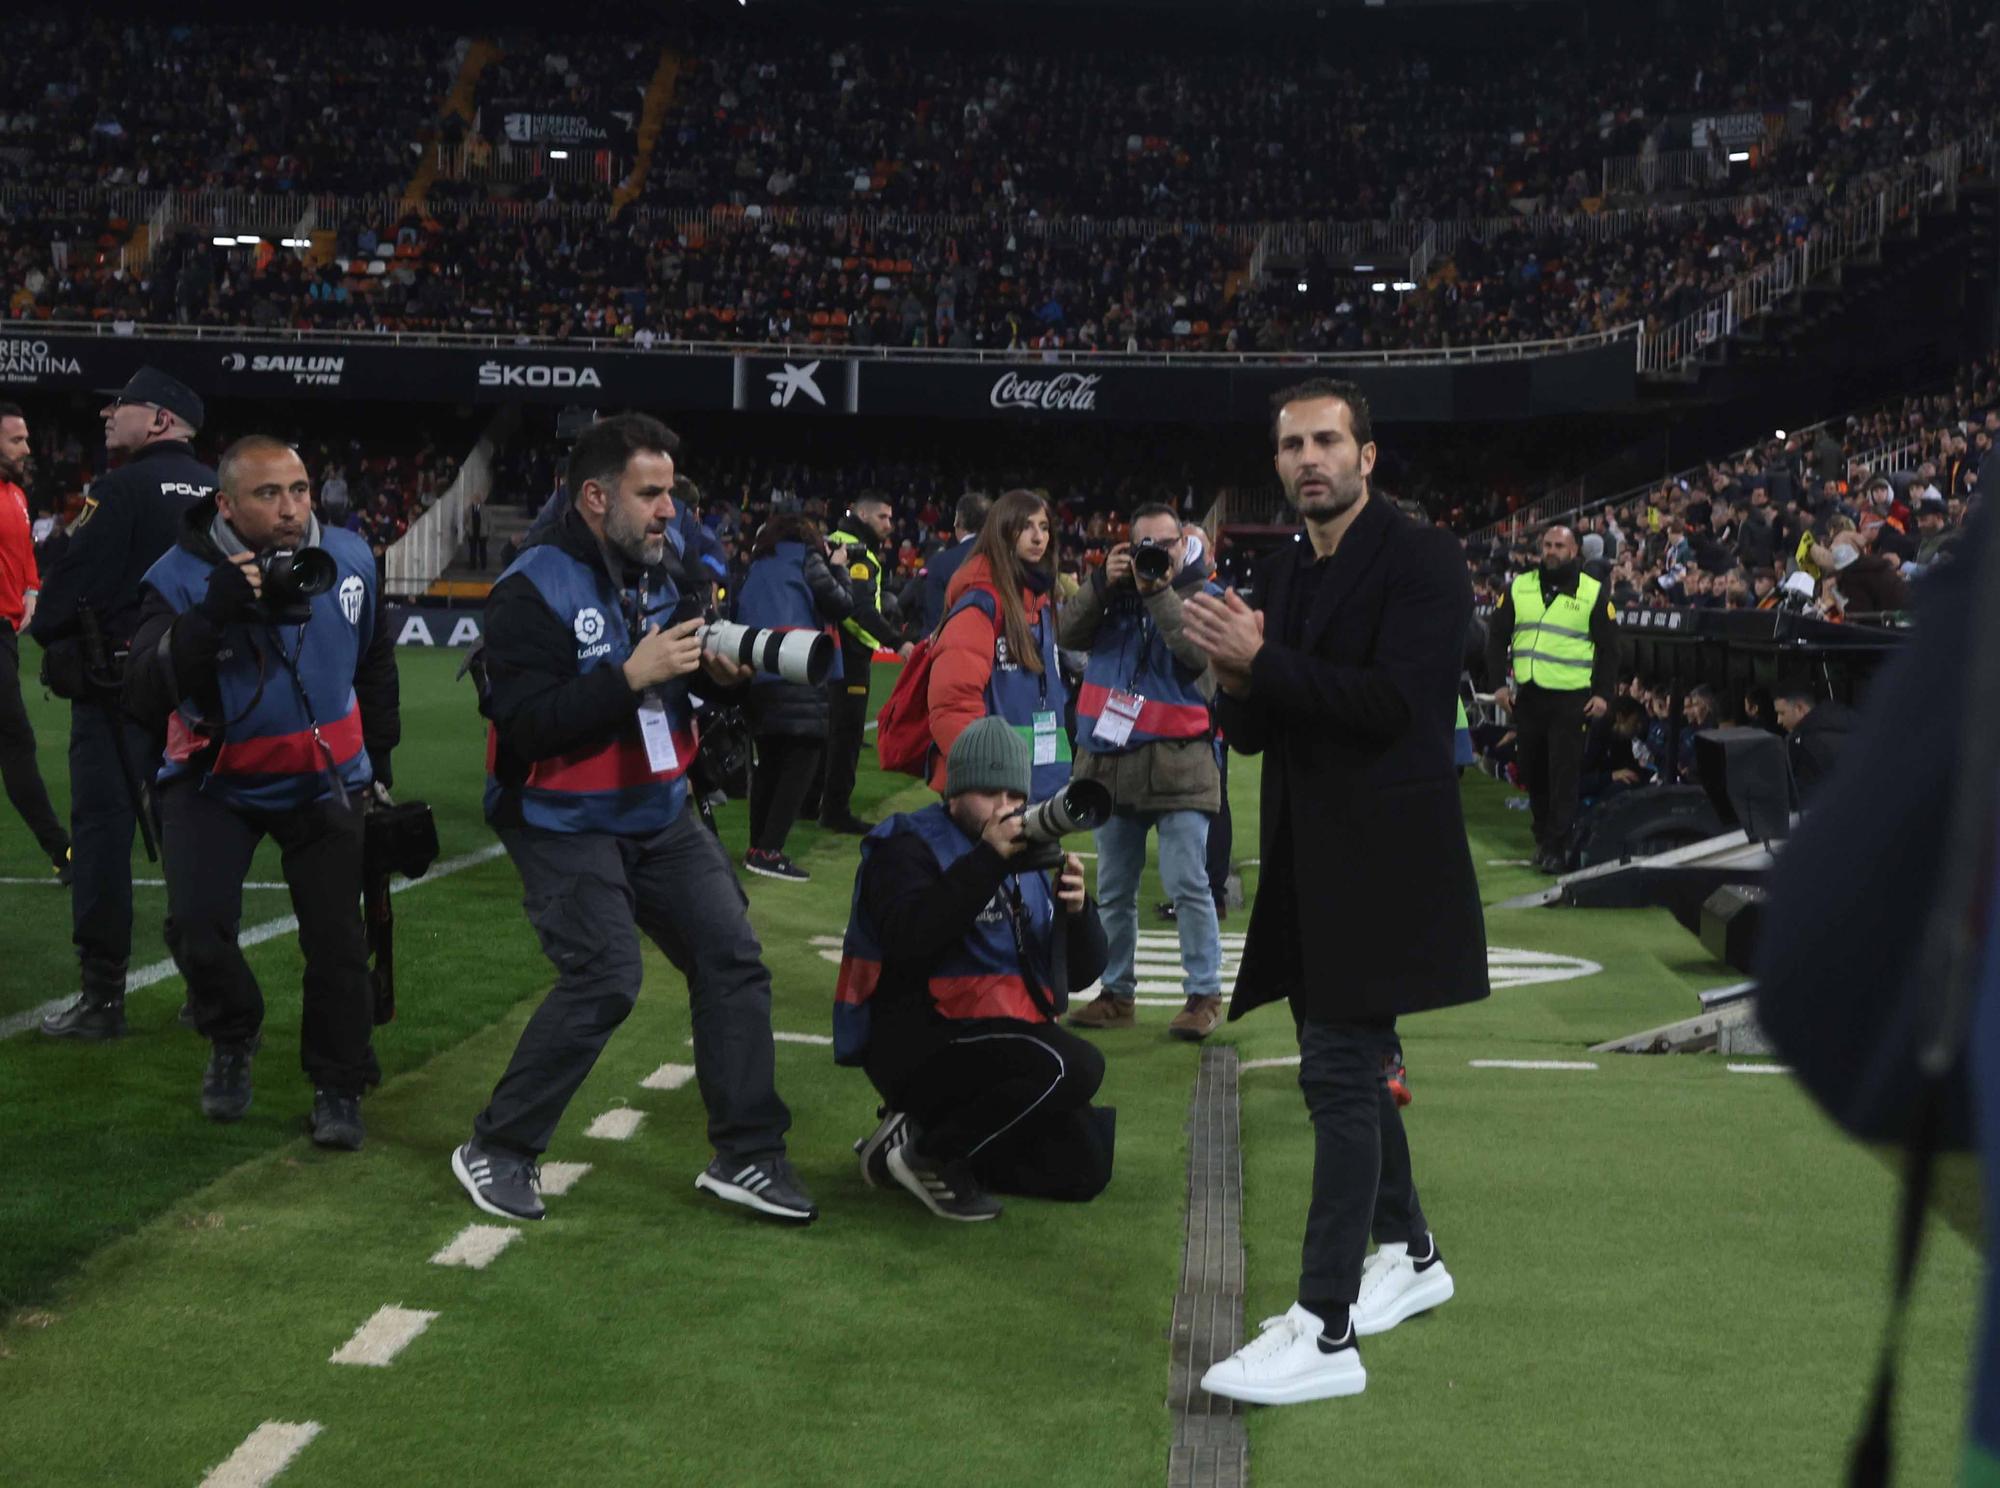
[
  {"x": 864, "y": 532},
  {"x": 280, "y": 706},
  {"x": 1559, "y": 633},
  {"x": 1144, "y": 731},
  {"x": 131, "y": 516},
  {"x": 586, "y": 688}
]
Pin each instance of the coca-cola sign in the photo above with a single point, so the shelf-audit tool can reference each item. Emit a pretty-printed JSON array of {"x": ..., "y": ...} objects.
[{"x": 1066, "y": 392}]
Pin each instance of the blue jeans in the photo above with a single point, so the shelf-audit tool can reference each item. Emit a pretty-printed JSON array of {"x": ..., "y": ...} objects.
[{"x": 1121, "y": 859}]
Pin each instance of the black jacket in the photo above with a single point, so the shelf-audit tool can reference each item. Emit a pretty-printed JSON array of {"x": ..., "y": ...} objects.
[
  {"x": 132, "y": 516},
  {"x": 921, "y": 911},
  {"x": 945, "y": 562},
  {"x": 795, "y": 709},
  {"x": 1603, "y": 637},
  {"x": 1815, "y": 745},
  {"x": 864, "y": 573},
  {"x": 161, "y": 675},
  {"x": 1368, "y": 907}
]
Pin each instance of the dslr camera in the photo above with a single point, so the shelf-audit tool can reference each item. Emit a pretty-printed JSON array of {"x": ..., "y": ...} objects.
[
  {"x": 1080, "y": 806},
  {"x": 293, "y": 578},
  {"x": 1152, "y": 560},
  {"x": 801, "y": 656}
]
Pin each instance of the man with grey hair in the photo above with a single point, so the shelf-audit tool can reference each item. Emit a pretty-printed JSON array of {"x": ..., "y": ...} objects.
[{"x": 966, "y": 522}]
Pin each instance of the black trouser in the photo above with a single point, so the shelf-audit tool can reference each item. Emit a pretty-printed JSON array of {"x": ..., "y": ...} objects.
[
  {"x": 206, "y": 846},
  {"x": 17, "y": 753},
  {"x": 1549, "y": 747},
  {"x": 1221, "y": 841},
  {"x": 476, "y": 551},
  {"x": 102, "y": 823},
  {"x": 1012, "y": 1098},
  {"x": 847, "y": 718},
  {"x": 1361, "y": 1158},
  {"x": 588, "y": 895},
  {"x": 778, "y": 780}
]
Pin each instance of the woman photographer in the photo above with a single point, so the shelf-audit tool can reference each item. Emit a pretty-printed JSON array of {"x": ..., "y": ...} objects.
[
  {"x": 790, "y": 586},
  {"x": 996, "y": 652}
]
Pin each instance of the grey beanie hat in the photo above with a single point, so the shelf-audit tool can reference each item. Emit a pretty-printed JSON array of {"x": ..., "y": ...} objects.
[{"x": 989, "y": 755}]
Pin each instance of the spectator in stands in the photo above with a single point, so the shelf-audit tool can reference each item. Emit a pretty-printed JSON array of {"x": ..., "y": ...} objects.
[
  {"x": 1862, "y": 583},
  {"x": 1698, "y": 712},
  {"x": 1815, "y": 732}
]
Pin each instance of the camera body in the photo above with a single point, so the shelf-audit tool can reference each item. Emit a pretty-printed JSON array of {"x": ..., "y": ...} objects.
[
  {"x": 1152, "y": 560},
  {"x": 1080, "y": 806},
  {"x": 293, "y": 578}
]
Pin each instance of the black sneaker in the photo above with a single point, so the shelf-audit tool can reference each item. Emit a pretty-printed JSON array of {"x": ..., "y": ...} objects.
[
  {"x": 948, "y": 1190},
  {"x": 336, "y": 1121},
  {"x": 768, "y": 1186},
  {"x": 874, "y": 1149},
  {"x": 1165, "y": 910},
  {"x": 848, "y": 826},
  {"x": 185, "y": 1017},
  {"x": 225, "y": 1085},
  {"x": 92, "y": 1016},
  {"x": 499, "y": 1182},
  {"x": 775, "y": 865}
]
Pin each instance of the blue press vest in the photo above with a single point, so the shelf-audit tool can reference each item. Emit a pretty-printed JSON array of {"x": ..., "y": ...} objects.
[
  {"x": 775, "y": 596},
  {"x": 1129, "y": 655},
  {"x": 610, "y": 785},
  {"x": 1017, "y": 694},
  {"x": 269, "y": 759},
  {"x": 979, "y": 977}
]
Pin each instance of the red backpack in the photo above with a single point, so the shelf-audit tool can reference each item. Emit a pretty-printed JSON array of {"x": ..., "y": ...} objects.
[{"x": 903, "y": 740}]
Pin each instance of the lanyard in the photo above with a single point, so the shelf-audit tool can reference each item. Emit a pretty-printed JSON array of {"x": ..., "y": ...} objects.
[
  {"x": 329, "y": 767},
  {"x": 1017, "y": 921}
]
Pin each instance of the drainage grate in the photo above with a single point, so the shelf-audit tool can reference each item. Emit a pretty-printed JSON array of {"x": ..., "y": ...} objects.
[{"x": 1210, "y": 1448}]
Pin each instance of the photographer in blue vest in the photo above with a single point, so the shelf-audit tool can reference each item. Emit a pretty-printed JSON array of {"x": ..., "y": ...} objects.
[
  {"x": 1144, "y": 732},
  {"x": 953, "y": 973},
  {"x": 586, "y": 689},
  {"x": 263, "y": 653}
]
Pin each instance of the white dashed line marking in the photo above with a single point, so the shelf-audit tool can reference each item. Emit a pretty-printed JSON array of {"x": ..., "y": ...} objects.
[
  {"x": 385, "y": 1335},
  {"x": 616, "y": 1124},
  {"x": 559, "y": 1178},
  {"x": 265, "y": 1453},
  {"x": 1532, "y": 1064},
  {"x": 1760, "y": 1069},
  {"x": 668, "y": 1077},
  {"x": 475, "y": 1246},
  {"x": 1288, "y": 1060}
]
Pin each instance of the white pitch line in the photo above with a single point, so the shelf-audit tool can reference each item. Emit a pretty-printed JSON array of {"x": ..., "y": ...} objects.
[
  {"x": 1531, "y": 1064},
  {"x": 558, "y": 1178},
  {"x": 159, "y": 971},
  {"x": 265, "y": 1453},
  {"x": 52, "y": 882},
  {"x": 475, "y": 1246},
  {"x": 377, "y": 1342},
  {"x": 802, "y": 1038},
  {"x": 616, "y": 1124},
  {"x": 1250, "y": 1064},
  {"x": 1760, "y": 1069},
  {"x": 668, "y": 1077}
]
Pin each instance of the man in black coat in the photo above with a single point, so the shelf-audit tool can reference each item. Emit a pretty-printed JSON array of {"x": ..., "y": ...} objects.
[
  {"x": 1346, "y": 681},
  {"x": 1815, "y": 734}
]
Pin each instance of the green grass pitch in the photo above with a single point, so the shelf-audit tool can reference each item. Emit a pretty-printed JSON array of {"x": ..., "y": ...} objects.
[{"x": 1667, "y": 1273}]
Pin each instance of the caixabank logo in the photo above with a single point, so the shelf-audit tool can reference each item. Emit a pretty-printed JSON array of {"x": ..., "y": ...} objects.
[
  {"x": 305, "y": 371},
  {"x": 29, "y": 361}
]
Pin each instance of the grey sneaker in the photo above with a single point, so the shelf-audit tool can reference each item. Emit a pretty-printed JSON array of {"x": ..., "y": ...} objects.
[
  {"x": 767, "y": 1186},
  {"x": 499, "y": 1182},
  {"x": 225, "y": 1084},
  {"x": 874, "y": 1149},
  {"x": 948, "y": 1190},
  {"x": 336, "y": 1120}
]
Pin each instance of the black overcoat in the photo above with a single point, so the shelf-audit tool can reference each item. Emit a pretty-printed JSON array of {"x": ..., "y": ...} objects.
[{"x": 1367, "y": 906}]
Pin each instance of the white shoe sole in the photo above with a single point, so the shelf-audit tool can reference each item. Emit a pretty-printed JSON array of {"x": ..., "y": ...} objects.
[
  {"x": 1433, "y": 1288},
  {"x": 729, "y": 1193},
  {"x": 780, "y": 877},
  {"x": 1331, "y": 1384},
  {"x": 888, "y": 1134},
  {"x": 465, "y": 1181}
]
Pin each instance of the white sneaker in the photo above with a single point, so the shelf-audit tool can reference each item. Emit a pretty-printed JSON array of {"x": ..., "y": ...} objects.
[
  {"x": 1394, "y": 1287},
  {"x": 1284, "y": 1365}
]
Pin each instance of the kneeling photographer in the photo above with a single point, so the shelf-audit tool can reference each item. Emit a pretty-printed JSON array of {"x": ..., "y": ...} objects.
[
  {"x": 957, "y": 962},
  {"x": 263, "y": 651}
]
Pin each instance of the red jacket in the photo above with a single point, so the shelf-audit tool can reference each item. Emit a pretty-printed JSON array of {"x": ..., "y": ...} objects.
[
  {"x": 18, "y": 573},
  {"x": 962, "y": 662}
]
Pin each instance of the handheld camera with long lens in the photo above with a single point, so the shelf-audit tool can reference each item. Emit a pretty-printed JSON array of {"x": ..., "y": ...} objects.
[
  {"x": 800, "y": 656},
  {"x": 1152, "y": 560},
  {"x": 293, "y": 578},
  {"x": 1080, "y": 806}
]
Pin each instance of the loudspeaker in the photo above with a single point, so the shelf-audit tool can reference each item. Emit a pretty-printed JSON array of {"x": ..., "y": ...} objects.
[
  {"x": 1746, "y": 775},
  {"x": 1730, "y": 918},
  {"x": 1643, "y": 822}
]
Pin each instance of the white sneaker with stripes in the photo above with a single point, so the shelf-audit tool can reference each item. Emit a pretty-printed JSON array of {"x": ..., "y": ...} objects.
[{"x": 766, "y": 1186}]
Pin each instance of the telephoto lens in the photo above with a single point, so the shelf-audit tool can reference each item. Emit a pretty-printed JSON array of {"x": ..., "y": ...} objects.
[
  {"x": 1150, "y": 561},
  {"x": 1080, "y": 806},
  {"x": 801, "y": 656}
]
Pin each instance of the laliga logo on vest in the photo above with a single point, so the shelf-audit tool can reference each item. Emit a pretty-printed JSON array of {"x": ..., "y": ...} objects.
[
  {"x": 1073, "y": 392},
  {"x": 502, "y": 374},
  {"x": 789, "y": 383},
  {"x": 350, "y": 599},
  {"x": 589, "y": 627}
]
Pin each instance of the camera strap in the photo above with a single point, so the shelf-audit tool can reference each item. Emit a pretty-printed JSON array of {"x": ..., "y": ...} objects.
[
  {"x": 1017, "y": 921},
  {"x": 329, "y": 767}
]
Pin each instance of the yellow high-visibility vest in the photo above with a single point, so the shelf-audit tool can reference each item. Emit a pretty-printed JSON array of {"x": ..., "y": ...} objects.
[{"x": 1552, "y": 646}]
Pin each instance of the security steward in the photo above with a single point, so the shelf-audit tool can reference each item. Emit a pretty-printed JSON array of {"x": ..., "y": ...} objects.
[
  {"x": 131, "y": 516},
  {"x": 864, "y": 531},
  {"x": 1558, "y": 632},
  {"x": 948, "y": 999},
  {"x": 280, "y": 704},
  {"x": 1144, "y": 731},
  {"x": 586, "y": 689}
]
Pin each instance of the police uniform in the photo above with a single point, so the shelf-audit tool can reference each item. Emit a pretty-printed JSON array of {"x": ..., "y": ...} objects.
[
  {"x": 864, "y": 632},
  {"x": 131, "y": 516},
  {"x": 1560, "y": 637},
  {"x": 274, "y": 728},
  {"x": 586, "y": 789}
]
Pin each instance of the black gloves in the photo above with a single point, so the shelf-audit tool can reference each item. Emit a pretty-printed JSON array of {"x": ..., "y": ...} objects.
[{"x": 229, "y": 594}]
